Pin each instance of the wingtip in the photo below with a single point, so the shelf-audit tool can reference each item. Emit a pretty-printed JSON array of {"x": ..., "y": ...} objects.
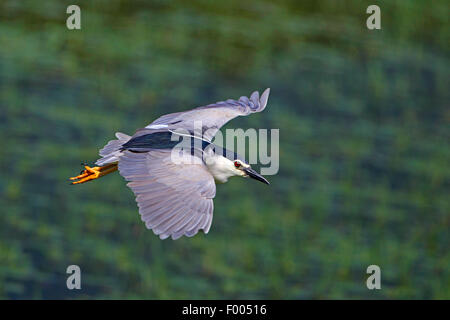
[{"x": 264, "y": 98}]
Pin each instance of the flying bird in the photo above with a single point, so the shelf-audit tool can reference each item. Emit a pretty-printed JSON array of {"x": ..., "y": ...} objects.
[{"x": 175, "y": 198}]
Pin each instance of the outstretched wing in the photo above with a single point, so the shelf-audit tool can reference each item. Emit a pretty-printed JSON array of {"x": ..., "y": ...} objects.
[
  {"x": 212, "y": 117},
  {"x": 174, "y": 199}
]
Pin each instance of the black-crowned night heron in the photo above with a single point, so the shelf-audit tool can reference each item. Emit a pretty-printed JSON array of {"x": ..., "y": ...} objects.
[{"x": 175, "y": 197}]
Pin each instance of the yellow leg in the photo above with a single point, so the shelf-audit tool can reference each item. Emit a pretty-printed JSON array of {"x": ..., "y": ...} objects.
[{"x": 91, "y": 173}]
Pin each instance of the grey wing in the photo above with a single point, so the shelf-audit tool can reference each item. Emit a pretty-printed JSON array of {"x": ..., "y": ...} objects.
[
  {"x": 173, "y": 199},
  {"x": 212, "y": 117}
]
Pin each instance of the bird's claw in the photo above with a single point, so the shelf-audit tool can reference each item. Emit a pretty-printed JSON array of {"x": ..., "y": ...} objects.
[{"x": 91, "y": 173}]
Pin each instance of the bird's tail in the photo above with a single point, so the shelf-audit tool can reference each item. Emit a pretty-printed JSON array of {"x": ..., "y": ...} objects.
[
  {"x": 111, "y": 152},
  {"x": 106, "y": 164}
]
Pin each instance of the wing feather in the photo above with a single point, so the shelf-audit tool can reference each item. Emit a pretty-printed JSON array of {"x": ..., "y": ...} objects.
[
  {"x": 173, "y": 199},
  {"x": 213, "y": 116}
]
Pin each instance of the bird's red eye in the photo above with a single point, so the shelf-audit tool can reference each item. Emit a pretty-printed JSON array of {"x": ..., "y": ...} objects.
[{"x": 237, "y": 164}]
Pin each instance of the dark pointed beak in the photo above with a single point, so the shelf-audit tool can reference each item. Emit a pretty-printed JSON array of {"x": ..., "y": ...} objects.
[{"x": 255, "y": 175}]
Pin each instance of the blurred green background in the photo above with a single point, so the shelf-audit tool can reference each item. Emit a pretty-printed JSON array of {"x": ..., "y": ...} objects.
[{"x": 364, "y": 147}]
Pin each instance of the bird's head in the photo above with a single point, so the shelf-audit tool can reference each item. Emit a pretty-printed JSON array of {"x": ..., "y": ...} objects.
[
  {"x": 223, "y": 164},
  {"x": 243, "y": 169}
]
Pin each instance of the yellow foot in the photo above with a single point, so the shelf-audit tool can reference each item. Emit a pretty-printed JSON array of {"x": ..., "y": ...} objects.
[{"x": 92, "y": 173}]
